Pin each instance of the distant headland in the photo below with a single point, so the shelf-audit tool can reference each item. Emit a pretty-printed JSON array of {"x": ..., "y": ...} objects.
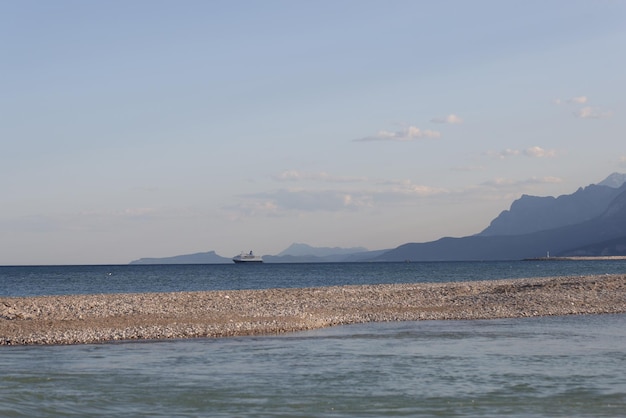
[{"x": 580, "y": 258}]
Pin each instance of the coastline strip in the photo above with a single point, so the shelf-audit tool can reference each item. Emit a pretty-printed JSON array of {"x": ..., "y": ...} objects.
[
  {"x": 578, "y": 258},
  {"x": 83, "y": 319}
]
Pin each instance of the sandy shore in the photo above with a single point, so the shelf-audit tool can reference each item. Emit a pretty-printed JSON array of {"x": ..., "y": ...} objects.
[{"x": 83, "y": 319}]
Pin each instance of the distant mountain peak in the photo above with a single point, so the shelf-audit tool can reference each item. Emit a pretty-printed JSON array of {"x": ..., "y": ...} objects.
[
  {"x": 533, "y": 213},
  {"x": 209, "y": 257},
  {"x": 589, "y": 222},
  {"x": 299, "y": 249},
  {"x": 615, "y": 180}
]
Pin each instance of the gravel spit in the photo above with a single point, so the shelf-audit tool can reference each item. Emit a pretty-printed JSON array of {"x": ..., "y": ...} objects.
[{"x": 84, "y": 319}]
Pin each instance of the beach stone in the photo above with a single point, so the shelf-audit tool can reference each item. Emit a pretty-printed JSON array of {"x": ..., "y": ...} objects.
[{"x": 80, "y": 319}]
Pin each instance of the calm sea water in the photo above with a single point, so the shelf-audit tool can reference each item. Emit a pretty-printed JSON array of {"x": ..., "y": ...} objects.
[
  {"x": 533, "y": 367},
  {"x": 54, "y": 280}
]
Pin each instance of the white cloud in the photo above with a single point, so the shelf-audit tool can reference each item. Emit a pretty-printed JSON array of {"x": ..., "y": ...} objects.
[
  {"x": 589, "y": 112},
  {"x": 534, "y": 152},
  {"x": 538, "y": 152},
  {"x": 407, "y": 187},
  {"x": 498, "y": 182},
  {"x": 421, "y": 190},
  {"x": 507, "y": 183},
  {"x": 284, "y": 202},
  {"x": 503, "y": 154},
  {"x": 287, "y": 200},
  {"x": 409, "y": 134},
  {"x": 451, "y": 119},
  {"x": 573, "y": 100},
  {"x": 379, "y": 194}
]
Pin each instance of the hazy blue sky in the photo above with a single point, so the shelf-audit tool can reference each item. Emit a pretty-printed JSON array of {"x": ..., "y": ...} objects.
[{"x": 155, "y": 128}]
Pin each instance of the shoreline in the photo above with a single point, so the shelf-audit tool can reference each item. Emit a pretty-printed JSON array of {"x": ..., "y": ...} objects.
[
  {"x": 578, "y": 258},
  {"x": 88, "y": 319}
]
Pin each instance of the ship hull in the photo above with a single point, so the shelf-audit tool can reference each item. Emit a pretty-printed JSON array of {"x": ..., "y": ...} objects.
[{"x": 245, "y": 258}]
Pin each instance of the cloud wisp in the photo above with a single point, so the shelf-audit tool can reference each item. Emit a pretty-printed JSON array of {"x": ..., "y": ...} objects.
[
  {"x": 300, "y": 201},
  {"x": 375, "y": 195},
  {"x": 533, "y": 152},
  {"x": 451, "y": 119},
  {"x": 503, "y": 154},
  {"x": 500, "y": 183},
  {"x": 411, "y": 133},
  {"x": 573, "y": 100},
  {"x": 538, "y": 152},
  {"x": 297, "y": 175},
  {"x": 285, "y": 201},
  {"x": 589, "y": 112},
  {"x": 586, "y": 112}
]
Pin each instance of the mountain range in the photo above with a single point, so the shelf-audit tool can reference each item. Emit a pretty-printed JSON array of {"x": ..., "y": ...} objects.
[
  {"x": 209, "y": 257},
  {"x": 588, "y": 222}
]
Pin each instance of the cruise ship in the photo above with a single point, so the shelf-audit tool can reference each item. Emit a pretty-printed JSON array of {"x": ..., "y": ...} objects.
[{"x": 248, "y": 258}]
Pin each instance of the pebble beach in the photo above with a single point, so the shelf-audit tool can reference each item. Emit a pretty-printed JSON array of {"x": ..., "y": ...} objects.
[{"x": 86, "y": 319}]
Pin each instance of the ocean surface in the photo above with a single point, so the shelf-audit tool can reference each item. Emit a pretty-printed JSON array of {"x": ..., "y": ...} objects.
[
  {"x": 56, "y": 280},
  {"x": 570, "y": 366}
]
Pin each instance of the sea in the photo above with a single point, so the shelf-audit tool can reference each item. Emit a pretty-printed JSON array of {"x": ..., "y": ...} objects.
[{"x": 562, "y": 366}]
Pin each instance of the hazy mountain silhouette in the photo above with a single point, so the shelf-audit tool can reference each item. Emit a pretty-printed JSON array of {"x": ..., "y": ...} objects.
[
  {"x": 611, "y": 247},
  {"x": 532, "y": 213},
  {"x": 198, "y": 258},
  {"x": 591, "y": 221},
  {"x": 606, "y": 229},
  {"x": 333, "y": 258},
  {"x": 298, "y": 249},
  {"x": 296, "y": 253},
  {"x": 615, "y": 180}
]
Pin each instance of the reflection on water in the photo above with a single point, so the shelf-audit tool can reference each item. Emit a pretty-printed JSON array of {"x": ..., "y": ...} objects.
[{"x": 555, "y": 366}]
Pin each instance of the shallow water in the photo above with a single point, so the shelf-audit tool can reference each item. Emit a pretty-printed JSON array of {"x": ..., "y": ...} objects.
[{"x": 533, "y": 367}]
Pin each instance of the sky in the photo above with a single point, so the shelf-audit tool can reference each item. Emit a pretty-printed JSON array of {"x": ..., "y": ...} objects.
[{"x": 151, "y": 128}]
